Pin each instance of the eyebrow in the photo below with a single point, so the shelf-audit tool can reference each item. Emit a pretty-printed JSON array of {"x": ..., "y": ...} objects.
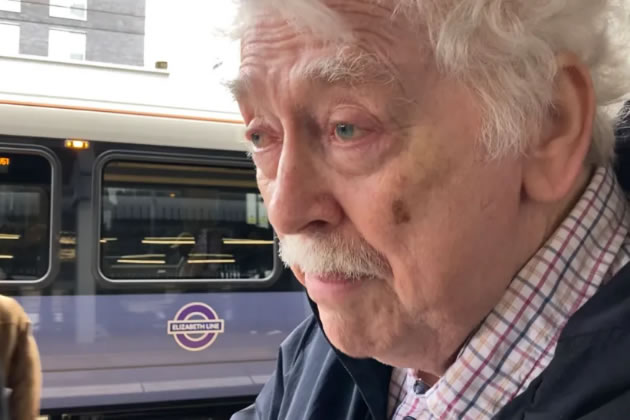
[
  {"x": 351, "y": 69},
  {"x": 343, "y": 69},
  {"x": 239, "y": 87}
]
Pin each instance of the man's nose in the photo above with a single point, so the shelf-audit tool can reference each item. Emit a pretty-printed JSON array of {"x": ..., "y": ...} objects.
[{"x": 301, "y": 196}]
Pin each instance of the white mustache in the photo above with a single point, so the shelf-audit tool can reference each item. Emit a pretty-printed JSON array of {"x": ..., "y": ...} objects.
[{"x": 331, "y": 253}]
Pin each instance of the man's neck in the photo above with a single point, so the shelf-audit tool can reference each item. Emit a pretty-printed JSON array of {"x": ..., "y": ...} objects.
[{"x": 554, "y": 217}]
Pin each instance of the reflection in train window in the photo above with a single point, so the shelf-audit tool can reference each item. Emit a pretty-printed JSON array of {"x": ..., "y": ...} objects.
[
  {"x": 25, "y": 198},
  {"x": 163, "y": 221}
]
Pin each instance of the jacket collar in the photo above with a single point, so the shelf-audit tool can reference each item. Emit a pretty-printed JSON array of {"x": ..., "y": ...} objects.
[
  {"x": 622, "y": 148},
  {"x": 371, "y": 377}
]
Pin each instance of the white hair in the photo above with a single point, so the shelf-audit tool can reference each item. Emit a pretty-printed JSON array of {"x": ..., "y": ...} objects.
[{"x": 505, "y": 51}]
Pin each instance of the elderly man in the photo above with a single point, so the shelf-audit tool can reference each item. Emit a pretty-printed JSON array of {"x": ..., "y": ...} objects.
[{"x": 439, "y": 173}]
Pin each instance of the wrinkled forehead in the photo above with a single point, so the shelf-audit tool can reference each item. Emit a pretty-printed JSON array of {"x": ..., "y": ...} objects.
[
  {"x": 326, "y": 20},
  {"x": 365, "y": 41}
]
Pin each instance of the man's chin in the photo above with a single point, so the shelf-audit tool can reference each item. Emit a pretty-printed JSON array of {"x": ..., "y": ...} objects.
[{"x": 347, "y": 336}]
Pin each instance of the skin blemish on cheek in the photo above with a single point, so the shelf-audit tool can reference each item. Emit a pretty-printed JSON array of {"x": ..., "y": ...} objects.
[{"x": 400, "y": 212}]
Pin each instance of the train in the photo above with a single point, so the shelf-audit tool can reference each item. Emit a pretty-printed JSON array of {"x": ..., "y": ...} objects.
[{"x": 139, "y": 246}]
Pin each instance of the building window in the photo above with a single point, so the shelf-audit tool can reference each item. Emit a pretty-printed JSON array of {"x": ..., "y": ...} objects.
[
  {"x": 183, "y": 222},
  {"x": 66, "y": 45},
  {"x": 69, "y": 9},
  {"x": 11, "y": 5},
  {"x": 25, "y": 215},
  {"x": 9, "y": 39}
]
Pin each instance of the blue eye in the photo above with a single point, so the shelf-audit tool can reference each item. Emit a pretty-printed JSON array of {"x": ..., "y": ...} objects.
[
  {"x": 345, "y": 131},
  {"x": 255, "y": 138}
]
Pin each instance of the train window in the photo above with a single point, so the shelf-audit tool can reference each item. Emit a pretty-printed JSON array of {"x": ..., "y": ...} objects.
[
  {"x": 167, "y": 221},
  {"x": 25, "y": 215}
]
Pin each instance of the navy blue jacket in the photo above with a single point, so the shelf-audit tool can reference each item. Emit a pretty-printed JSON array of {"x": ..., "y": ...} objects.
[{"x": 588, "y": 378}]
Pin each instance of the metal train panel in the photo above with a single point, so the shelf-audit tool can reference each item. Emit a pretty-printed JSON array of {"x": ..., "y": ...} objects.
[
  {"x": 117, "y": 349},
  {"x": 151, "y": 275}
]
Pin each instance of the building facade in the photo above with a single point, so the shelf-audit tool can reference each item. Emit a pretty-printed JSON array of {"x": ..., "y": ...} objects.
[{"x": 103, "y": 31}]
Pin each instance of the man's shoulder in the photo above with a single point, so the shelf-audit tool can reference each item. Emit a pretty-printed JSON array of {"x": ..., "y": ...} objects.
[
  {"x": 608, "y": 309},
  {"x": 588, "y": 377}
]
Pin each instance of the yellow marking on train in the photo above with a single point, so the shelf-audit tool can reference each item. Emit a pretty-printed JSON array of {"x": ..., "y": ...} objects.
[
  {"x": 9, "y": 236},
  {"x": 144, "y": 256},
  {"x": 225, "y": 261},
  {"x": 77, "y": 144},
  {"x": 230, "y": 241},
  {"x": 167, "y": 242},
  {"x": 68, "y": 240},
  {"x": 169, "y": 238},
  {"x": 157, "y": 262},
  {"x": 211, "y": 255}
]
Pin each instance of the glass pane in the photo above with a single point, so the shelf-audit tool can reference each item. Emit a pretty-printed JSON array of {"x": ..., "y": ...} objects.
[
  {"x": 11, "y": 5},
  {"x": 25, "y": 191},
  {"x": 174, "y": 221},
  {"x": 9, "y": 39},
  {"x": 69, "y": 9},
  {"x": 65, "y": 45}
]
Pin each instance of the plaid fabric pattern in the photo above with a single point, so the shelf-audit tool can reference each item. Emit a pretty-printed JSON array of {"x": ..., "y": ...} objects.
[{"x": 517, "y": 340}]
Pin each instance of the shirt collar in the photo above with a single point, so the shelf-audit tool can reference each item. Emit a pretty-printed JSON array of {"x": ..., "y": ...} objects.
[{"x": 517, "y": 339}]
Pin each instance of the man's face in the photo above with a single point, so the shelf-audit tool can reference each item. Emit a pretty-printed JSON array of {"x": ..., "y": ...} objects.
[{"x": 387, "y": 209}]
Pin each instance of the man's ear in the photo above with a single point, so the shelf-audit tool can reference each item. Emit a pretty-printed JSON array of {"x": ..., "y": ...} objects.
[{"x": 554, "y": 162}]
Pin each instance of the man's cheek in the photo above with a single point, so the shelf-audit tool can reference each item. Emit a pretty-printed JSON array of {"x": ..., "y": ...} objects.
[{"x": 264, "y": 185}]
